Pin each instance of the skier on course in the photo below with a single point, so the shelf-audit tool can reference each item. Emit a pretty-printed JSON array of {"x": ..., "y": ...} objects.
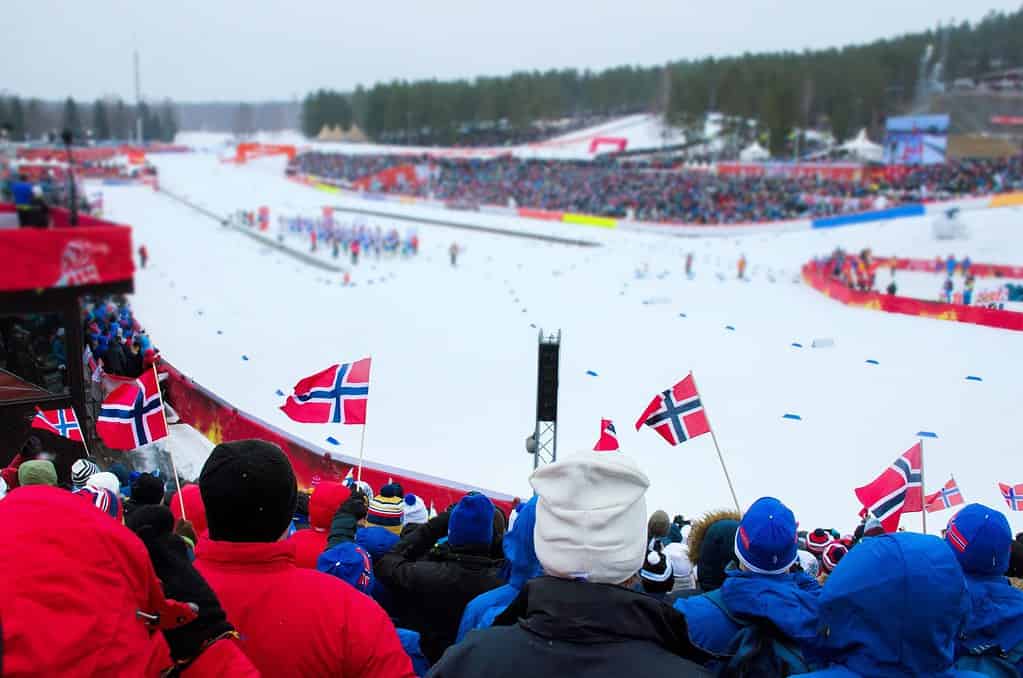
[
  {"x": 689, "y": 265},
  {"x": 453, "y": 252},
  {"x": 742, "y": 266},
  {"x": 143, "y": 255}
]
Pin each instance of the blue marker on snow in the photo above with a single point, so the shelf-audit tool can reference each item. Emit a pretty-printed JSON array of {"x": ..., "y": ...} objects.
[
  {"x": 279, "y": 392},
  {"x": 796, "y": 417},
  {"x": 591, "y": 373},
  {"x": 729, "y": 327},
  {"x": 926, "y": 434},
  {"x": 973, "y": 378},
  {"x": 871, "y": 361},
  {"x": 245, "y": 357},
  {"x": 682, "y": 315},
  {"x": 220, "y": 331},
  {"x": 796, "y": 344},
  {"x": 332, "y": 440}
]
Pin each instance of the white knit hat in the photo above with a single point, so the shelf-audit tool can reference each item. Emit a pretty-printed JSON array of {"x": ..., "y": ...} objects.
[
  {"x": 105, "y": 480},
  {"x": 591, "y": 517},
  {"x": 415, "y": 510}
]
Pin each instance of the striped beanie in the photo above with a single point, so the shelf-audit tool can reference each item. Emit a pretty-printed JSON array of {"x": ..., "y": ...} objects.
[
  {"x": 832, "y": 555},
  {"x": 818, "y": 541},
  {"x": 387, "y": 508},
  {"x": 657, "y": 575},
  {"x": 82, "y": 470}
]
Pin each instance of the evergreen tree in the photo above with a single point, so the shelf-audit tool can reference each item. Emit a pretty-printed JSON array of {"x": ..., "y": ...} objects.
[
  {"x": 169, "y": 121},
  {"x": 35, "y": 125},
  {"x": 71, "y": 121},
  {"x": 17, "y": 119},
  {"x": 100, "y": 121}
]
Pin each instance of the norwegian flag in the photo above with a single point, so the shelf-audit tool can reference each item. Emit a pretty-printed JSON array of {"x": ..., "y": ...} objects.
[
  {"x": 62, "y": 422},
  {"x": 132, "y": 415},
  {"x": 676, "y": 414},
  {"x": 1013, "y": 495},
  {"x": 896, "y": 491},
  {"x": 337, "y": 395},
  {"x": 608, "y": 437},
  {"x": 946, "y": 497}
]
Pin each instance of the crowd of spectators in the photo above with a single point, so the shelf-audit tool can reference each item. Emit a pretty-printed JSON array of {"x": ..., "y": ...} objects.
[
  {"x": 606, "y": 188},
  {"x": 106, "y": 576}
]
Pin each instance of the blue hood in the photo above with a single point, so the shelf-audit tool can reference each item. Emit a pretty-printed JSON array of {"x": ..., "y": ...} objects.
[
  {"x": 519, "y": 549},
  {"x": 376, "y": 540},
  {"x": 777, "y": 598},
  {"x": 894, "y": 606},
  {"x": 997, "y": 616}
]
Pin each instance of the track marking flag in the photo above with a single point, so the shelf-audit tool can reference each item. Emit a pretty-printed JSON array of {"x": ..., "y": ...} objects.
[
  {"x": 132, "y": 415},
  {"x": 946, "y": 497},
  {"x": 898, "y": 490},
  {"x": 62, "y": 422},
  {"x": 1013, "y": 495},
  {"x": 608, "y": 441},
  {"x": 337, "y": 395},
  {"x": 676, "y": 414}
]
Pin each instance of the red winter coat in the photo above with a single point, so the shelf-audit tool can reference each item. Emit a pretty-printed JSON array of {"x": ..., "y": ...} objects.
[
  {"x": 72, "y": 581},
  {"x": 297, "y": 622},
  {"x": 323, "y": 503}
]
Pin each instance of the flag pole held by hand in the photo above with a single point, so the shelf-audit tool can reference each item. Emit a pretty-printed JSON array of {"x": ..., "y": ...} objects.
[{"x": 170, "y": 450}]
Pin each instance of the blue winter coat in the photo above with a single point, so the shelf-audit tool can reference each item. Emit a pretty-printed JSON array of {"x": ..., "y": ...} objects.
[
  {"x": 996, "y": 617},
  {"x": 893, "y": 607},
  {"x": 21, "y": 191},
  {"x": 377, "y": 541},
  {"x": 784, "y": 600},
  {"x": 522, "y": 564}
]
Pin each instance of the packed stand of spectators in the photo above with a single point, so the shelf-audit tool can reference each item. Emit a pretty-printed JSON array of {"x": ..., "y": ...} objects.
[
  {"x": 606, "y": 188},
  {"x": 580, "y": 580}
]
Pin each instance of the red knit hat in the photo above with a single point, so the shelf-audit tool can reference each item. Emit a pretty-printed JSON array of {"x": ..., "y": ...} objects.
[
  {"x": 818, "y": 541},
  {"x": 834, "y": 553}
]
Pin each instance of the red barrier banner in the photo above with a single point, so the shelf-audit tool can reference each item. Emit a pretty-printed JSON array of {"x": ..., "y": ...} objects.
[
  {"x": 220, "y": 422},
  {"x": 617, "y": 143},
  {"x": 540, "y": 214},
  {"x": 937, "y": 265},
  {"x": 977, "y": 315},
  {"x": 64, "y": 257}
]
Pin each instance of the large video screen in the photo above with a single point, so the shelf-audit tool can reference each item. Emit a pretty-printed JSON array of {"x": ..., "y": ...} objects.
[{"x": 916, "y": 140}]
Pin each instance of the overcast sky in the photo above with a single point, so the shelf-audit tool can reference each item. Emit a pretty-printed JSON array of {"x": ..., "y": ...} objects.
[{"x": 257, "y": 49}]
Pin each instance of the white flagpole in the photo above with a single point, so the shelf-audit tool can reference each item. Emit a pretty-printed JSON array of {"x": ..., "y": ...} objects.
[
  {"x": 721, "y": 458},
  {"x": 170, "y": 451},
  {"x": 362, "y": 437},
  {"x": 82, "y": 431},
  {"x": 923, "y": 488}
]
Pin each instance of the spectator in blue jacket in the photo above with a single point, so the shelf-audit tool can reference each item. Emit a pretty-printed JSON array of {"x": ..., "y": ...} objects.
[
  {"x": 521, "y": 565},
  {"x": 893, "y": 607},
  {"x": 981, "y": 540},
  {"x": 761, "y": 590}
]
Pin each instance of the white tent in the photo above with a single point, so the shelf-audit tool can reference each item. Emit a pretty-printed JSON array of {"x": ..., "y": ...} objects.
[
  {"x": 753, "y": 153},
  {"x": 863, "y": 148}
]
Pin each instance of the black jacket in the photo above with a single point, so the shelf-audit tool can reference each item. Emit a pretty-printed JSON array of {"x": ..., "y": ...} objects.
[
  {"x": 431, "y": 586},
  {"x": 558, "y": 627}
]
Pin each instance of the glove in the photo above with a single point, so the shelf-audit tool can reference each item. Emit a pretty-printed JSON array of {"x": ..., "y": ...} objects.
[
  {"x": 357, "y": 504},
  {"x": 181, "y": 582}
]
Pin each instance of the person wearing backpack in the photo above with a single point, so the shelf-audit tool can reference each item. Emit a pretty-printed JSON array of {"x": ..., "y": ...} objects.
[
  {"x": 893, "y": 607},
  {"x": 763, "y": 619},
  {"x": 992, "y": 642}
]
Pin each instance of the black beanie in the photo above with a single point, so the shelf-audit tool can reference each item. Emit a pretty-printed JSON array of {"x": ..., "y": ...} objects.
[
  {"x": 249, "y": 490},
  {"x": 147, "y": 489}
]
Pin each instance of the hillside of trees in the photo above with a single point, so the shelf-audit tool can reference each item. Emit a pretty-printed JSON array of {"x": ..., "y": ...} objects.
[
  {"x": 840, "y": 89},
  {"x": 102, "y": 120}
]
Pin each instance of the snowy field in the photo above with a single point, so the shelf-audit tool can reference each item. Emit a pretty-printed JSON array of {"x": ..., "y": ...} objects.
[{"x": 454, "y": 350}]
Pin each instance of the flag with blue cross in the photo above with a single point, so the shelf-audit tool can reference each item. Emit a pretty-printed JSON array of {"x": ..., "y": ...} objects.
[
  {"x": 132, "y": 415},
  {"x": 337, "y": 395},
  {"x": 62, "y": 422},
  {"x": 676, "y": 414}
]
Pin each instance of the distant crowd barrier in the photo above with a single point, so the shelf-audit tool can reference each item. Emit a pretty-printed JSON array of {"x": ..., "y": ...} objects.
[
  {"x": 221, "y": 422},
  {"x": 816, "y": 277}
]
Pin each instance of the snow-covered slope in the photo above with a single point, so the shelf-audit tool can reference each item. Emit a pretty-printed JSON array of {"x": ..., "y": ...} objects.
[{"x": 454, "y": 349}]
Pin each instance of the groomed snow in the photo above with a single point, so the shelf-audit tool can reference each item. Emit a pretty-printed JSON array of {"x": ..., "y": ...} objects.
[{"x": 454, "y": 350}]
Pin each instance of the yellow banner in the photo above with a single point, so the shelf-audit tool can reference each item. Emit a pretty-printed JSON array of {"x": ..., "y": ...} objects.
[
  {"x": 1007, "y": 200},
  {"x": 589, "y": 220},
  {"x": 327, "y": 187}
]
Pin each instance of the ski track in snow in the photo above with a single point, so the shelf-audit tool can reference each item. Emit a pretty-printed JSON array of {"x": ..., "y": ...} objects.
[{"x": 454, "y": 369}]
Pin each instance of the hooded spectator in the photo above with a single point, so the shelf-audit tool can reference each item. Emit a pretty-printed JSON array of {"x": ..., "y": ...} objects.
[
  {"x": 146, "y": 490},
  {"x": 981, "y": 540},
  {"x": 352, "y": 564},
  {"x": 433, "y": 587},
  {"x": 583, "y": 618},
  {"x": 37, "y": 472},
  {"x": 893, "y": 608},
  {"x": 76, "y": 598},
  {"x": 292, "y": 621},
  {"x": 521, "y": 565},
  {"x": 681, "y": 567},
  {"x": 760, "y": 591},
  {"x": 711, "y": 547},
  {"x": 323, "y": 504},
  {"x": 81, "y": 471}
]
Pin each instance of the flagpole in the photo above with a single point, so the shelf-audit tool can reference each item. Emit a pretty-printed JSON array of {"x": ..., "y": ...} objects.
[
  {"x": 721, "y": 458},
  {"x": 170, "y": 451},
  {"x": 923, "y": 488},
  {"x": 362, "y": 438},
  {"x": 81, "y": 430}
]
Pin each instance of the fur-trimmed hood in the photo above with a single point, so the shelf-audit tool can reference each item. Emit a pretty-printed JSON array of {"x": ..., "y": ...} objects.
[
  {"x": 698, "y": 530},
  {"x": 711, "y": 546}
]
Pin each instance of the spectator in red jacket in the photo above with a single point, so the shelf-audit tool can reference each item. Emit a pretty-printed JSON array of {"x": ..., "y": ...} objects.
[
  {"x": 323, "y": 504},
  {"x": 293, "y": 621},
  {"x": 79, "y": 596}
]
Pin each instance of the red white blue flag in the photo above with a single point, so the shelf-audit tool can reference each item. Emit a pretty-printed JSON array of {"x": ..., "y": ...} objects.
[
  {"x": 608, "y": 441},
  {"x": 946, "y": 497},
  {"x": 1013, "y": 495},
  {"x": 337, "y": 395},
  {"x": 676, "y": 414},
  {"x": 132, "y": 415},
  {"x": 896, "y": 491},
  {"x": 62, "y": 422}
]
